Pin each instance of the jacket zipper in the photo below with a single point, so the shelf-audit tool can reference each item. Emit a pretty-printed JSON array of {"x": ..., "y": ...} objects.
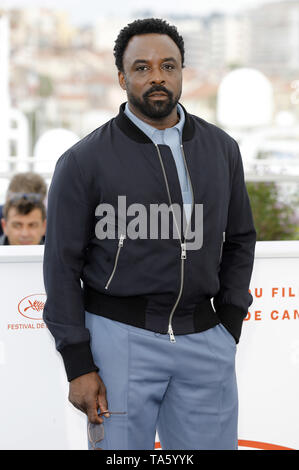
[
  {"x": 120, "y": 245},
  {"x": 182, "y": 243},
  {"x": 221, "y": 248}
]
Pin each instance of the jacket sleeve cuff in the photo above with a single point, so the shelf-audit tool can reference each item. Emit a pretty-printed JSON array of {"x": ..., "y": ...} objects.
[
  {"x": 232, "y": 318},
  {"x": 78, "y": 360}
]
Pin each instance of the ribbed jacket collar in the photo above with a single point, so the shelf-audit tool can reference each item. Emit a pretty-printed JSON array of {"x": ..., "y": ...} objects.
[{"x": 134, "y": 133}]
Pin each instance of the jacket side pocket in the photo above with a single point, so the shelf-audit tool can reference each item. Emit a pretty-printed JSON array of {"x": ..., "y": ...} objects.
[{"x": 120, "y": 245}]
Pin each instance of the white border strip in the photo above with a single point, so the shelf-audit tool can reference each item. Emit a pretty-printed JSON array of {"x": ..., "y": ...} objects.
[
  {"x": 277, "y": 249},
  {"x": 21, "y": 254}
]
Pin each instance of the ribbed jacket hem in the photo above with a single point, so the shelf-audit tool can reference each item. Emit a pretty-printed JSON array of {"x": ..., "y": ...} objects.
[
  {"x": 232, "y": 318},
  {"x": 78, "y": 360}
]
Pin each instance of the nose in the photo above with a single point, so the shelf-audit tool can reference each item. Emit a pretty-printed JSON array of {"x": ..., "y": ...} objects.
[
  {"x": 25, "y": 232},
  {"x": 157, "y": 77}
]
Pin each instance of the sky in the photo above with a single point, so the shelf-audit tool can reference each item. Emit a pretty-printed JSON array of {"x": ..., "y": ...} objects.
[{"x": 87, "y": 11}]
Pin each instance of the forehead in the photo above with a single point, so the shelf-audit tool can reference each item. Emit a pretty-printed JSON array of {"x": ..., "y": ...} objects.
[
  {"x": 151, "y": 47},
  {"x": 15, "y": 216}
]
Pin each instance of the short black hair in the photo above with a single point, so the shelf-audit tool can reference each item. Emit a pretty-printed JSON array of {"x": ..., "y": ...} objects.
[{"x": 145, "y": 26}]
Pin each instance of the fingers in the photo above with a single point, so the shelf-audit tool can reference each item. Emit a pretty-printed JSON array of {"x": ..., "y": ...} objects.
[
  {"x": 93, "y": 408},
  {"x": 103, "y": 405},
  {"x": 88, "y": 394},
  {"x": 92, "y": 413},
  {"x": 90, "y": 408}
]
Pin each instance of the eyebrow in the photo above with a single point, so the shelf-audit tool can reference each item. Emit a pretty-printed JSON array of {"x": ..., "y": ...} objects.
[{"x": 142, "y": 61}]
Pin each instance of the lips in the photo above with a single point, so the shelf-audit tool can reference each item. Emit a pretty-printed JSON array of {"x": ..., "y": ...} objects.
[{"x": 158, "y": 94}]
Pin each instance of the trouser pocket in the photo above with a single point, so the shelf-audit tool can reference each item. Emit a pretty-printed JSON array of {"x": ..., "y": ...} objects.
[
  {"x": 109, "y": 435},
  {"x": 228, "y": 335}
]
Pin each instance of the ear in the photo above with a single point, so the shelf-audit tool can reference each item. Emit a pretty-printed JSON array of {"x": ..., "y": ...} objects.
[{"x": 122, "y": 81}]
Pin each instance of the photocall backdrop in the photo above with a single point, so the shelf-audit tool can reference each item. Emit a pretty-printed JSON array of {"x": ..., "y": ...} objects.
[{"x": 35, "y": 412}]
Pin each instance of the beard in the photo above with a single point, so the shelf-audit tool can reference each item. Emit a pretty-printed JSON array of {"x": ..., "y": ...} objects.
[{"x": 155, "y": 109}]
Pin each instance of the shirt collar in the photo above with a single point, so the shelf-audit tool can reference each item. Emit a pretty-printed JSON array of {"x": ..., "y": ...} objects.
[{"x": 150, "y": 130}]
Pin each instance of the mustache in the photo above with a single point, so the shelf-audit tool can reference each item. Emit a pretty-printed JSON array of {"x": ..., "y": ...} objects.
[{"x": 157, "y": 88}]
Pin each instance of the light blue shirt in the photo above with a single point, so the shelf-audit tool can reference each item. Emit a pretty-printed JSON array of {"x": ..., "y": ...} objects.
[{"x": 172, "y": 137}]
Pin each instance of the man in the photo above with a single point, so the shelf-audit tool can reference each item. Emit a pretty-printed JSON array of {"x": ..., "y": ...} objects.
[
  {"x": 143, "y": 339},
  {"x": 24, "y": 220},
  {"x": 26, "y": 182}
]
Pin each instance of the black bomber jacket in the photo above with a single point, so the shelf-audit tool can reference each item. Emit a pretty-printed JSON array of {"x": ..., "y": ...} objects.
[{"x": 154, "y": 283}]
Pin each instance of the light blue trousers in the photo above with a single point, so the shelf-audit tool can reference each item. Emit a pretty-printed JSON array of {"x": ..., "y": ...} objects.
[{"x": 187, "y": 390}]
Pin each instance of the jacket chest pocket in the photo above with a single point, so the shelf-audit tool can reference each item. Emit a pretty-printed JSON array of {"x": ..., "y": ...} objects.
[{"x": 119, "y": 248}]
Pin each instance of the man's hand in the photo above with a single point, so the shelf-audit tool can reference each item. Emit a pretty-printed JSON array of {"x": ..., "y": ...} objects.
[{"x": 88, "y": 393}]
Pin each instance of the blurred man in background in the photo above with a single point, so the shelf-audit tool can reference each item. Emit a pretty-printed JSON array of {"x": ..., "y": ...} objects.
[
  {"x": 24, "y": 220},
  {"x": 27, "y": 182}
]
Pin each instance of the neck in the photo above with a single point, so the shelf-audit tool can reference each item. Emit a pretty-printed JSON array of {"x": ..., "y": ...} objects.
[{"x": 159, "y": 123}]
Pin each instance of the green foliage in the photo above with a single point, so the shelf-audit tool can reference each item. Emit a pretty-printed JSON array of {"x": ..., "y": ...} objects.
[{"x": 273, "y": 219}]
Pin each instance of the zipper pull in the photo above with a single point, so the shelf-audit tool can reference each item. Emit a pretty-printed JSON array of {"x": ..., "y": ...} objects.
[
  {"x": 183, "y": 251},
  {"x": 121, "y": 240},
  {"x": 171, "y": 335}
]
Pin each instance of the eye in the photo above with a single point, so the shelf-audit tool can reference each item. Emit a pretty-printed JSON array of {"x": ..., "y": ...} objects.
[
  {"x": 169, "y": 67},
  {"x": 141, "y": 68}
]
